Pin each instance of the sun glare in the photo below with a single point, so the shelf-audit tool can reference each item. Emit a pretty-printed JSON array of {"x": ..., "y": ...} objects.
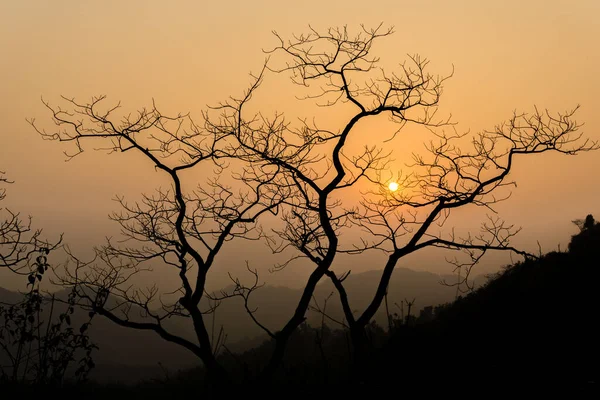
[{"x": 393, "y": 186}]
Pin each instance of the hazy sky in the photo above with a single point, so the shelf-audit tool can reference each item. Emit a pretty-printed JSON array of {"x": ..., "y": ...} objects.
[{"x": 507, "y": 55}]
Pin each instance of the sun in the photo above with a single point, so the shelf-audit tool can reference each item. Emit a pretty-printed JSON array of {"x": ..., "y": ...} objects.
[{"x": 393, "y": 186}]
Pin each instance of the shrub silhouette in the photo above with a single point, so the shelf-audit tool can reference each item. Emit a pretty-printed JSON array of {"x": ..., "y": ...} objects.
[
  {"x": 588, "y": 238},
  {"x": 38, "y": 344}
]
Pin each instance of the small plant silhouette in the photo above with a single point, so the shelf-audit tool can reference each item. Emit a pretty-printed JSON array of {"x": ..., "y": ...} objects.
[{"x": 38, "y": 347}]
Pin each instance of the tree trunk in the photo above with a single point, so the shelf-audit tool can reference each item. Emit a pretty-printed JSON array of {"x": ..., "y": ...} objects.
[
  {"x": 215, "y": 373},
  {"x": 361, "y": 353},
  {"x": 217, "y": 377},
  {"x": 276, "y": 358}
]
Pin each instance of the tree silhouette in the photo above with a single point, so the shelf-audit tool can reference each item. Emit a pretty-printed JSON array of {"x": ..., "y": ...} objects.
[
  {"x": 456, "y": 170},
  {"x": 585, "y": 224},
  {"x": 181, "y": 229},
  {"x": 39, "y": 343},
  {"x": 302, "y": 173},
  {"x": 35, "y": 347},
  {"x": 313, "y": 158},
  {"x": 20, "y": 243},
  {"x": 588, "y": 236}
]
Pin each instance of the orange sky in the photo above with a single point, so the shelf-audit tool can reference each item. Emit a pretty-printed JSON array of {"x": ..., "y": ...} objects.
[{"x": 507, "y": 56}]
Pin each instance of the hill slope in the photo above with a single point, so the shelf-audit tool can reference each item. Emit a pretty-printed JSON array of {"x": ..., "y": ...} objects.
[{"x": 535, "y": 322}]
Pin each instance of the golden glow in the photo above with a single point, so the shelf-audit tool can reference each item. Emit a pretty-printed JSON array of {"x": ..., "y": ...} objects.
[
  {"x": 393, "y": 186},
  {"x": 199, "y": 53}
]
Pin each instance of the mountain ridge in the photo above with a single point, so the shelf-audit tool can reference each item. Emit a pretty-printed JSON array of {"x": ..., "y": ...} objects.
[{"x": 124, "y": 348}]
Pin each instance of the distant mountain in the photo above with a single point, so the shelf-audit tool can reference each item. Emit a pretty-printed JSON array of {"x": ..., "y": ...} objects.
[
  {"x": 140, "y": 352},
  {"x": 276, "y": 304},
  {"x": 9, "y": 297}
]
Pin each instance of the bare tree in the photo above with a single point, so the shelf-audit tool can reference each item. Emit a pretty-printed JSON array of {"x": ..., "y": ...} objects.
[
  {"x": 450, "y": 176},
  {"x": 456, "y": 170},
  {"x": 181, "y": 229},
  {"x": 34, "y": 349},
  {"x": 301, "y": 172},
  {"x": 20, "y": 243},
  {"x": 315, "y": 217}
]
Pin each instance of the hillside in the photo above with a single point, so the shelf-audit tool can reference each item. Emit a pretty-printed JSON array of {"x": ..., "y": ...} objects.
[
  {"x": 9, "y": 297},
  {"x": 534, "y": 322}
]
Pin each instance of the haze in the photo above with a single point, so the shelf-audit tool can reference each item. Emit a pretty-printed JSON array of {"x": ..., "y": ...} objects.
[{"x": 507, "y": 56}]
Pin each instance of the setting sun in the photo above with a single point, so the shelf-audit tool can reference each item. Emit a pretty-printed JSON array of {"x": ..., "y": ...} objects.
[{"x": 393, "y": 186}]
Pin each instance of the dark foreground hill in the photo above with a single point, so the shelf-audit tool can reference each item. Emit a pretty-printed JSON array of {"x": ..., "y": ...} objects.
[{"x": 536, "y": 322}]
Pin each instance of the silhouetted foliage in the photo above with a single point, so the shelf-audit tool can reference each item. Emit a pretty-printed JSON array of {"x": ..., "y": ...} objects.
[
  {"x": 19, "y": 241},
  {"x": 39, "y": 343},
  {"x": 584, "y": 224},
  {"x": 588, "y": 237}
]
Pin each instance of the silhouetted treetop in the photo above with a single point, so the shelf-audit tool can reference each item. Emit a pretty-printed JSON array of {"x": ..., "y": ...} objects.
[
  {"x": 587, "y": 223},
  {"x": 588, "y": 238}
]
